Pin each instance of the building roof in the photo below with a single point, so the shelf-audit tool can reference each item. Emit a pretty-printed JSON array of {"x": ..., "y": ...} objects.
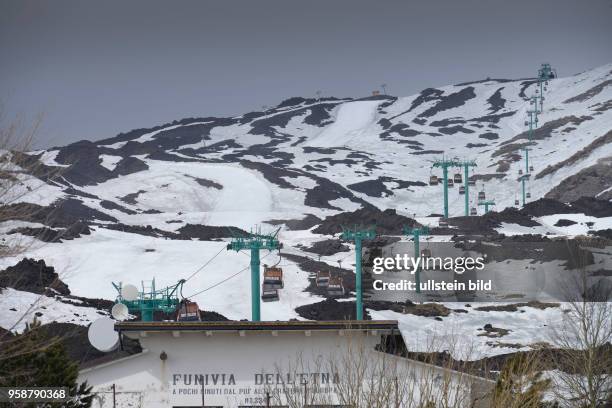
[{"x": 294, "y": 325}]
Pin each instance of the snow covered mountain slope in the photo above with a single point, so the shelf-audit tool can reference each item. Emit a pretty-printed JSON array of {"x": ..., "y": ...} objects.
[
  {"x": 339, "y": 153},
  {"x": 146, "y": 203}
]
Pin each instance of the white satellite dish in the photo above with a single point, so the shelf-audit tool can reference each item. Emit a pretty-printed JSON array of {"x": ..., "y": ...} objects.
[
  {"x": 129, "y": 292},
  {"x": 120, "y": 311},
  {"x": 102, "y": 334}
]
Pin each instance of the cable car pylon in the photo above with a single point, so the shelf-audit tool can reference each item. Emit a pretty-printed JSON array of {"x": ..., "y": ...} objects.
[
  {"x": 486, "y": 204},
  {"x": 416, "y": 234},
  {"x": 444, "y": 164},
  {"x": 255, "y": 242},
  {"x": 357, "y": 236},
  {"x": 532, "y": 122}
]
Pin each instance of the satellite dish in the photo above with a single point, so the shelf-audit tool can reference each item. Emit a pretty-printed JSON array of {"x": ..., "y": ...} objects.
[
  {"x": 129, "y": 292},
  {"x": 120, "y": 311},
  {"x": 102, "y": 334}
]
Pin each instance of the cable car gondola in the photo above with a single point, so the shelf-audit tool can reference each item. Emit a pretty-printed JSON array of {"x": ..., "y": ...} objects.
[
  {"x": 433, "y": 180},
  {"x": 457, "y": 178},
  {"x": 188, "y": 311},
  {"x": 273, "y": 277},
  {"x": 481, "y": 195},
  {"x": 450, "y": 182},
  {"x": 473, "y": 211},
  {"x": 335, "y": 287},
  {"x": 471, "y": 182},
  {"x": 462, "y": 190},
  {"x": 270, "y": 295},
  {"x": 323, "y": 279}
]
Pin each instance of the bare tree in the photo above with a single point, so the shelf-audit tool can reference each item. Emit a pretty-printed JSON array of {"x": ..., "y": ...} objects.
[
  {"x": 17, "y": 179},
  {"x": 584, "y": 339},
  {"x": 359, "y": 375}
]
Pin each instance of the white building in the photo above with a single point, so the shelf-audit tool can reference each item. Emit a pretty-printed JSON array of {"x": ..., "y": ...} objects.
[{"x": 247, "y": 364}]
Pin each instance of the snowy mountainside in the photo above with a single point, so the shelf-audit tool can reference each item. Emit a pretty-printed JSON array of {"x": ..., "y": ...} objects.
[
  {"x": 339, "y": 153},
  {"x": 156, "y": 202}
]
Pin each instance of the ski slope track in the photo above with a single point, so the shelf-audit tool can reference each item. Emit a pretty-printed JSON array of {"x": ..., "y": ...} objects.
[{"x": 138, "y": 191}]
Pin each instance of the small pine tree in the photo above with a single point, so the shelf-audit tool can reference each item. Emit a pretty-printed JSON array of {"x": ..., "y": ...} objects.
[{"x": 37, "y": 361}]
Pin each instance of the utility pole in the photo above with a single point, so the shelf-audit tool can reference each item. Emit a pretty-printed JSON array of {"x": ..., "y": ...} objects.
[
  {"x": 445, "y": 164},
  {"x": 357, "y": 235},
  {"x": 416, "y": 235},
  {"x": 255, "y": 242},
  {"x": 486, "y": 204}
]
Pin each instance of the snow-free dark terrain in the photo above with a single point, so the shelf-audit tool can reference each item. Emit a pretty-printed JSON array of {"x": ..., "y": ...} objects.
[{"x": 162, "y": 201}]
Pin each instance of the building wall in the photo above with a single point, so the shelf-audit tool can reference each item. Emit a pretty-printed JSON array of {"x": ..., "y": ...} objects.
[{"x": 236, "y": 370}]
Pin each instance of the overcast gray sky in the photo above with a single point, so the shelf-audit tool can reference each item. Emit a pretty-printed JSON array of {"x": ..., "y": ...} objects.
[{"x": 99, "y": 68}]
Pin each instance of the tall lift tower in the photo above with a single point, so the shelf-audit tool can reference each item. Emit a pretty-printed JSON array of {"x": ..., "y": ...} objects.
[
  {"x": 416, "y": 234},
  {"x": 357, "y": 236},
  {"x": 532, "y": 122},
  {"x": 545, "y": 73},
  {"x": 486, "y": 204},
  {"x": 445, "y": 164},
  {"x": 255, "y": 242}
]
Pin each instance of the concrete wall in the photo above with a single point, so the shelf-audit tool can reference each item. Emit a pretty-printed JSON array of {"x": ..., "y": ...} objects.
[{"x": 238, "y": 370}]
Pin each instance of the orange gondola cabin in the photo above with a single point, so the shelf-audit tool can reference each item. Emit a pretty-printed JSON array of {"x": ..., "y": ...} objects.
[{"x": 188, "y": 311}]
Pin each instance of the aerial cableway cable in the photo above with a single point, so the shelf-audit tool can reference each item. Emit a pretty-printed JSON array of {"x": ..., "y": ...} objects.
[
  {"x": 226, "y": 279},
  {"x": 205, "y": 264}
]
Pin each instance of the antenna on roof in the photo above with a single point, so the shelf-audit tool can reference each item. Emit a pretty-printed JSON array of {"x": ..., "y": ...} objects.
[
  {"x": 102, "y": 334},
  {"x": 129, "y": 292},
  {"x": 119, "y": 311}
]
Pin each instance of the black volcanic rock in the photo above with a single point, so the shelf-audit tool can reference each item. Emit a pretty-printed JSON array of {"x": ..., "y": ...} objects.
[
  {"x": 305, "y": 223},
  {"x": 593, "y": 207},
  {"x": 604, "y": 233},
  {"x": 109, "y": 205},
  {"x": 547, "y": 206},
  {"x": 386, "y": 222},
  {"x": 33, "y": 276},
  {"x": 489, "y": 136},
  {"x": 564, "y": 223},
  {"x": 54, "y": 235},
  {"x": 129, "y": 165},
  {"x": 330, "y": 310},
  {"x": 450, "y": 101},
  {"x": 327, "y": 247},
  {"x": 496, "y": 101},
  {"x": 207, "y": 233},
  {"x": 372, "y": 188},
  {"x": 84, "y": 162},
  {"x": 61, "y": 214}
]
